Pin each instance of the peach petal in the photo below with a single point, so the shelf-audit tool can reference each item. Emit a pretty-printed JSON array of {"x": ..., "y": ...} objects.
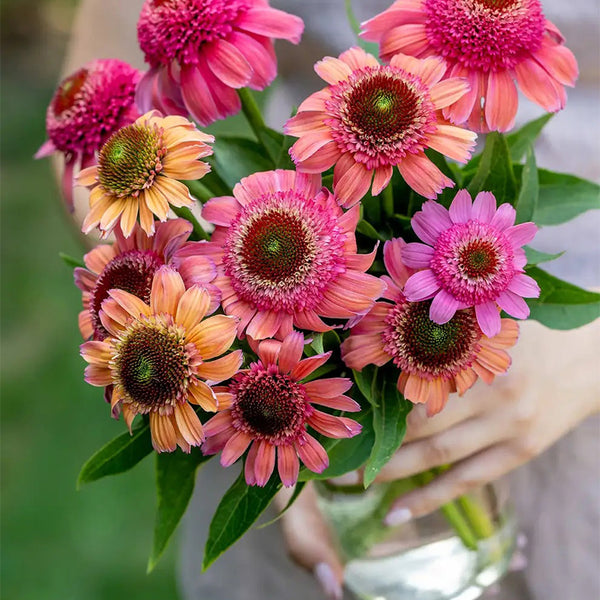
[
  {"x": 130, "y": 303},
  {"x": 167, "y": 289},
  {"x": 217, "y": 424},
  {"x": 409, "y": 39},
  {"x": 99, "y": 376},
  {"x": 214, "y": 336},
  {"x": 92, "y": 219},
  {"x": 85, "y": 324},
  {"x": 423, "y": 176},
  {"x": 454, "y": 142},
  {"x": 192, "y": 307},
  {"x": 323, "y": 159},
  {"x": 392, "y": 259},
  {"x": 264, "y": 324},
  {"x": 362, "y": 350},
  {"x": 537, "y": 84},
  {"x": 381, "y": 179},
  {"x": 331, "y": 426},
  {"x": 438, "y": 396},
  {"x": 357, "y": 58},
  {"x": 175, "y": 192},
  {"x": 189, "y": 424},
  {"x": 268, "y": 351},
  {"x": 464, "y": 380},
  {"x": 308, "y": 365},
  {"x": 353, "y": 185},
  {"x": 559, "y": 61},
  {"x": 306, "y": 122},
  {"x": 87, "y": 177},
  {"x": 202, "y": 395},
  {"x": 429, "y": 70},
  {"x": 501, "y": 101},
  {"x": 288, "y": 465},
  {"x": 128, "y": 415},
  {"x": 449, "y": 91},
  {"x": 156, "y": 202},
  {"x": 291, "y": 351},
  {"x": 222, "y": 368},
  {"x": 308, "y": 144},
  {"x": 312, "y": 454},
  {"x": 164, "y": 438},
  {"x": 333, "y": 70},
  {"x": 99, "y": 257},
  {"x": 146, "y": 218}
]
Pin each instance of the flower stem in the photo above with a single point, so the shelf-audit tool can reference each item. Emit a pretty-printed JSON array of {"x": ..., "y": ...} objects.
[
  {"x": 254, "y": 117},
  {"x": 480, "y": 522},
  {"x": 186, "y": 213},
  {"x": 387, "y": 201}
]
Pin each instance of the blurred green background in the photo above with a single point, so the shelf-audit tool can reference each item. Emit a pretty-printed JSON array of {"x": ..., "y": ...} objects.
[{"x": 57, "y": 543}]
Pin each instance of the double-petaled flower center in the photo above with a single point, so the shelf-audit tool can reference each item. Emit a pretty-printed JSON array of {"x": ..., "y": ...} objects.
[{"x": 68, "y": 92}]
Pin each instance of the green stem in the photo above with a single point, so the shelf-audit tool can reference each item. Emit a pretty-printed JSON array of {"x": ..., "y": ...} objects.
[
  {"x": 387, "y": 201},
  {"x": 254, "y": 117},
  {"x": 199, "y": 191},
  {"x": 480, "y": 522},
  {"x": 186, "y": 213}
]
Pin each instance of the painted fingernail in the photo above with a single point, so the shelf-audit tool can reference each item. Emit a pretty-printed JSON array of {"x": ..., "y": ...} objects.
[
  {"x": 331, "y": 586},
  {"x": 397, "y": 516},
  {"x": 351, "y": 478}
]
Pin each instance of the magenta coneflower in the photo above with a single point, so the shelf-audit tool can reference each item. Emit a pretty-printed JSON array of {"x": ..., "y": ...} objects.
[
  {"x": 87, "y": 108},
  {"x": 130, "y": 264},
  {"x": 201, "y": 51},
  {"x": 472, "y": 257},
  {"x": 491, "y": 43},
  {"x": 286, "y": 255},
  {"x": 373, "y": 117},
  {"x": 270, "y": 409},
  {"x": 435, "y": 359}
]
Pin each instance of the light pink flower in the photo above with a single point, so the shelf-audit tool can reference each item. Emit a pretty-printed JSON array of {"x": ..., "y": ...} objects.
[
  {"x": 490, "y": 42},
  {"x": 435, "y": 359},
  {"x": 201, "y": 51},
  {"x": 472, "y": 256},
  {"x": 270, "y": 409},
  {"x": 286, "y": 255},
  {"x": 372, "y": 117},
  {"x": 86, "y": 109}
]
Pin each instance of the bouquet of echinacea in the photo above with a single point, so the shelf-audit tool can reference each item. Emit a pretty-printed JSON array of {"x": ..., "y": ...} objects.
[{"x": 280, "y": 301}]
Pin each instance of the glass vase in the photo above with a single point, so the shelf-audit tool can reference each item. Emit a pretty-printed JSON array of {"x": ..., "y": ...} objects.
[{"x": 451, "y": 554}]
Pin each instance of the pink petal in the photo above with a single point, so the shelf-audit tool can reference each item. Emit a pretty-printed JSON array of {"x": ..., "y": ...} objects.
[
  {"x": 68, "y": 183},
  {"x": 250, "y": 463},
  {"x": 264, "y": 324},
  {"x": 454, "y": 142},
  {"x": 461, "y": 209},
  {"x": 488, "y": 318},
  {"x": 308, "y": 144},
  {"x": 417, "y": 256},
  {"x": 312, "y": 454},
  {"x": 410, "y": 39},
  {"x": 332, "y": 70},
  {"x": 484, "y": 207},
  {"x": 393, "y": 259},
  {"x": 291, "y": 351},
  {"x": 513, "y": 304},
  {"x": 505, "y": 217},
  {"x": 357, "y": 58},
  {"x": 559, "y": 61},
  {"x": 235, "y": 447},
  {"x": 381, "y": 179},
  {"x": 328, "y": 388},
  {"x": 334, "y": 427},
  {"x": 228, "y": 63},
  {"x": 396, "y": 15},
  {"x": 260, "y": 56},
  {"x": 197, "y": 96},
  {"x": 358, "y": 351},
  {"x": 170, "y": 236},
  {"x": 221, "y": 211},
  {"x": 429, "y": 70},
  {"x": 353, "y": 185},
  {"x": 423, "y": 176},
  {"x": 305, "y": 122},
  {"x": 449, "y": 91},
  {"x": 46, "y": 149},
  {"x": 268, "y": 351},
  {"x": 521, "y": 234},
  {"x": 337, "y": 403},
  {"x": 437, "y": 215},
  {"x": 264, "y": 462},
  {"x": 288, "y": 465},
  {"x": 225, "y": 98},
  {"x": 443, "y": 307},
  {"x": 322, "y": 160},
  {"x": 272, "y": 23},
  {"x": 538, "y": 85},
  {"x": 501, "y": 101},
  {"x": 308, "y": 365},
  {"x": 525, "y": 286},
  {"x": 459, "y": 112},
  {"x": 421, "y": 286}
]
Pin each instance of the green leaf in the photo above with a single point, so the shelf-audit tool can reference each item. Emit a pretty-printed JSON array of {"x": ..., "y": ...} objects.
[
  {"x": 237, "y": 157},
  {"x": 562, "y": 305},
  {"x": 118, "y": 456},
  {"x": 175, "y": 478},
  {"x": 535, "y": 257},
  {"x": 368, "y": 230},
  {"x": 297, "y": 491},
  {"x": 495, "y": 173},
  {"x": 70, "y": 261},
  {"x": 530, "y": 189},
  {"x": 521, "y": 140},
  {"x": 238, "y": 510},
  {"x": 389, "y": 425},
  {"x": 346, "y": 454},
  {"x": 365, "y": 380},
  {"x": 562, "y": 197}
]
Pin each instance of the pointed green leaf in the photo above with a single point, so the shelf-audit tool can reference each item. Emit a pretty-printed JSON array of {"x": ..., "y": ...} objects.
[
  {"x": 562, "y": 305},
  {"x": 535, "y": 257},
  {"x": 175, "y": 478},
  {"x": 70, "y": 261},
  {"x": 119, "y": 455},
  {"x": 521, "y": 140},
  {"x": 530, "y": 189},
  {"x": 364, "y": 380},
  {"x": 238, "y": 510},
  {"x": 366, "y": 229},
  {"x": 495, "y": 173},
  {"x": 389, "y": 425},
  {"x": 237, "y": 157}
]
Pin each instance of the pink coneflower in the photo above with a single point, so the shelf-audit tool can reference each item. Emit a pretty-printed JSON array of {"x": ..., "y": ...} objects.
[
  {"x": 131, "y": 263},
  {"x": 372, "y": 118},
  {"x": 87, "y": 108},
  {"x": 201, "y": 51},
  {"x": 157, "y": 358},
  {"x": 472, "y": 256},
  {"x": 139, "y": 169},
  {"x": 435, "y": 359},
  {"x": 286, "y": 255},
  {"x": 490, "y": 42},
  {"x": 270, "y": 409}
]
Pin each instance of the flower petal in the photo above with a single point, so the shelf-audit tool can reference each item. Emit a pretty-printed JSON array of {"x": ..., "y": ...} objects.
[{"x": 421, "y": 286}]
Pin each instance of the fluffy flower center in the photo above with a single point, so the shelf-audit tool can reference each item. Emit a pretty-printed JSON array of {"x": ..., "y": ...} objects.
[
  {"x": 473, "y": 262},
  {"x": 152, "y": 365},
  {"x": 485, "y": 34},
  {"x": 282, "y": 250},
  {"x": 68, "y": 92},
  {"x": 380, "y": 114},
  {"x": 269, "y": 405},
  {"x": 177, "y": 29},
  {"x": 421, "y": 347},
  {"x": 131, "y": 159},
  {"x": 131, "y": 271}
]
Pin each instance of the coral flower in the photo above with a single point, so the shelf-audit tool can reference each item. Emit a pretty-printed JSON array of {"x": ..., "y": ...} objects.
[
  {"x": 138, "y": 171},
  {"x": 87, "y": 108},
  {"x": 270, "y": 409},
  {"x": 201, "y": 51},
  {"x": 286, "y": 255},
  {"x": 130, "y": 264},
  {"x": 490, "y": 42},
  {"x": 372, "y": 117},
  {"x": 472, "y": 256},
  {"x": 157, "y": 358},
  {"x": 435, "y": 360}
]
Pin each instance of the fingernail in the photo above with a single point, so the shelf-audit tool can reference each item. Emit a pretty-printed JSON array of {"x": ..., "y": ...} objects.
[
  {"x": 351, "y": 478},
  {"x": 398, "y": 516},
  {"x": 331, "y": 586}
]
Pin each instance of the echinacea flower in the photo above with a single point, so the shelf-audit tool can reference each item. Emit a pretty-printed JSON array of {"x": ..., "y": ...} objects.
[
  {"x": 157, "y": 358},
  {"x": 138, "y": 171},
  {"x": 131, "y": 263},
  {"x": 490, "y": 42},
  {"x": 201, "y": 51},
  {"x": 86, "y": 109},
  {"x": 435, "y": 359},
  {"x": 472, "y": 257},
  {"x": 286, "y": 255},
  {"x": 373, "y": 117},
  {"x": 271, "y": 408}
]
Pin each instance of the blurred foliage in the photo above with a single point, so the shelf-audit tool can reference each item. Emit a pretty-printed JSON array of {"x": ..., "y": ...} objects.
[{"x": 57, "y": 542}]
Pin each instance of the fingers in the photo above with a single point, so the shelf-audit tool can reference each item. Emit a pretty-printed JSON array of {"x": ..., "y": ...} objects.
[
  {"x": 449, "y": 446},
  {"x": 309, "y": 543},
  {"x": 465, "y": 476}
]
